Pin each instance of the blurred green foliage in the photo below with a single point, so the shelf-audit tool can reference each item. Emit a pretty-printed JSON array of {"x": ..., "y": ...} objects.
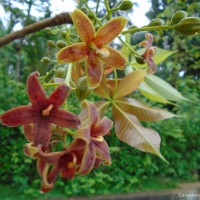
[{"x": 131, "y": 169}]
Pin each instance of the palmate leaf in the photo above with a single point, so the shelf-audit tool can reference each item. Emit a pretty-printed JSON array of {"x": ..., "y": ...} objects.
[
  {"x": 163, "y": 88},
  {"x": 130, "y": 83},
  {"x": 141, "y": 111},
  {"x": 129, "y": 130},
  {"x": 151, "y": 94}
]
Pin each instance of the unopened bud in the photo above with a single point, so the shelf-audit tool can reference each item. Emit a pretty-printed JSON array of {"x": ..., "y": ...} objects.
[
  {"x": 51, "y": 43},
  {"x": 61, "y": 73},
  {"x": 140, "y": 60},
  {"x": 126, "y": 5},
  {"x": 60, "y": 44},
  {"x": 45, "y": 60},
  {"x": 178, "y": 16},
  {"x": 188, "y": 26},
  {"x": 156, "y": 22},
  {"x": 82, "y": 89}
]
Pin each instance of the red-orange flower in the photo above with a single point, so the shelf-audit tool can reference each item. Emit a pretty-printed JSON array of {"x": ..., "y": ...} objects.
[
  {"x": 94, "y": 47},
  {"x": 149, "y": 53},
  {"x": 41, "y": 112}
]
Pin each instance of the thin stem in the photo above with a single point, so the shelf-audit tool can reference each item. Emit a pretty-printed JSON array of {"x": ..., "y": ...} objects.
[
  {"x": 68, "y": 77},
  {"x": 97, "y": 6},
  {"x": 116, "y": 79},
  {"x": 93, "y": 15},
  {"x": 108, "y": 9},
  {"x": 148, "y": 28},
  {"x": 51, "y": 84},
  {"x": 72, "y": 133},
  {"x": 129, "y": 47}
]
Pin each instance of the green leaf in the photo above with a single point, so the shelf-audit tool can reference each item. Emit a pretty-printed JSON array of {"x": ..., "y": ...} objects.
[
  {"x": 151, "y": 94},
  {"x": 141, "y": 111},
  {"x": 129, "y": 130},
  {"x": 160, "y": 56},
  {"x": 163, "y": 88}
]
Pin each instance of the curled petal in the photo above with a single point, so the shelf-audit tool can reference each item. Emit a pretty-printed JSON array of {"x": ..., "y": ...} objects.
[
  {"x": 98, "y": 162},
  {"x": 41, "y": 133},
  {"x": 115, "y": 59},
  {"x": 102, "y": 150},
  {"x": 109, "y": 31},
  {"x": 88, "y": 160},
  {"x": 68, "y": 173},
  {"x": 28, "y": 131},
  {"x": 73, "y": 53},
  {"x": 30, "y": 150},
  {"x": 94, "y": 70},
  {"x": 59, "y": 95},
  {"x": 93, "y": 116},
  {"x": 35, "y": 92},
  {"x": 83, "y": 25},
  {"x": 64, "y": 118},
  {"x": 102, "y": 128},
  {"x": 20, "y": 115}
]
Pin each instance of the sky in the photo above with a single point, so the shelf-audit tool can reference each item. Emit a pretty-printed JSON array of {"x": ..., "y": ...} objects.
[{"x": 138, "y": 16}]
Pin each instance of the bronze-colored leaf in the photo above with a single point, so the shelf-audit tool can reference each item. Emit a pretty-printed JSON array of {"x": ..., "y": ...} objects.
[
  {"x": 129, "y": 130},
  {"x": 141, "y": 111}
]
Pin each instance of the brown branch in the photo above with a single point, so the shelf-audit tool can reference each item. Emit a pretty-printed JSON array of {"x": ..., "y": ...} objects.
[{"x": 63, "y": 18}]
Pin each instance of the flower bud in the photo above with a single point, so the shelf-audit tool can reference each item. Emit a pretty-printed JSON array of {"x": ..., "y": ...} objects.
[
  {"x": 45, "y": 60},
  {"x": 178, "y": 16},
  {"x": 140, "y": 60},
  {"x": 60, "y": 44},
  {"x": 82, "y": 89},
  {"x": 51, "y": 43},
  {"x": 61, "y": 73},
  {"x": 156, "y": 22},
  {"x": 126, "y": 5},
  {"x": 188, "y": 26}
]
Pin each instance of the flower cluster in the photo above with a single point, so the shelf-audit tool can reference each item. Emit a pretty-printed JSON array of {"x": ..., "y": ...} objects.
[{"x": 88, "y": 149}]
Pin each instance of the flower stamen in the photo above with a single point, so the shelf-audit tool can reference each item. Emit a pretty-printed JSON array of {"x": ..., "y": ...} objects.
[
  {"x": 73, "y": 163},
  {"x": 98, "y": 138},
  {"x": 46, "y": 111}
]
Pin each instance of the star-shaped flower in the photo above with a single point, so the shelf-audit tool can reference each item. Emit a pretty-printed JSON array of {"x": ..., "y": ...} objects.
[
  {"x": 149, "y": 53},
  {"x": 94, "y": 47},
  {"x": 41, "y": 112}
]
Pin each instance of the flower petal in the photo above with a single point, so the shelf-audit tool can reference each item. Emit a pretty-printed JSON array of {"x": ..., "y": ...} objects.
[
  {"x": 35, "y": 92},
  {"x": 92, "y": 113},
  {"x": 109, "y": 31},
  {"x": 28, "y": 132},
  {"x": 59, "y": 95},
  {"x": 41, "y": 132},
  {"x": 102, "y": 150},
  {"x": 20, "y": 115},
  {"x": 102, "y": 128},
  {"x": 88, "y": 160},
  {"x": 94, "y": 70},
  {"x": 115, "y": 59},
  {"x": 83, "y": 25},
  {"x": 68, "y": 173},
  {"x": 64, "y": 118},
  {"x": 72, "y": 53}
]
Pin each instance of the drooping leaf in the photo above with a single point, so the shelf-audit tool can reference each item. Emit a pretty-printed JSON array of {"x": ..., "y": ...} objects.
[
  {"x": 151, "y": 94},
  {"x": 163, "y": 88},
  {"x": 130, "y": 83},
  {"x": 141, "y": 111},
  {"x": 129, "y": 130}
]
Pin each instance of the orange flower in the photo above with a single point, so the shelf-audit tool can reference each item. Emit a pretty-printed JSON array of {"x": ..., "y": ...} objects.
[{"x": 94, "y": 47}]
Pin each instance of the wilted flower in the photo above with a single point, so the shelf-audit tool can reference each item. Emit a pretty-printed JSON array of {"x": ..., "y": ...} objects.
[
  {"x": 94, "y": 46},
  {"x": 149, "y": 53}
]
